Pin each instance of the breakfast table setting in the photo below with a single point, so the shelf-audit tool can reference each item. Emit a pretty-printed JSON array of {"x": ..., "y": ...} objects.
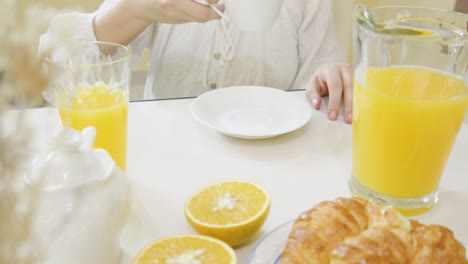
[
  {"x": 171, "y": 155},
  {"x": 241, "y": 174}
]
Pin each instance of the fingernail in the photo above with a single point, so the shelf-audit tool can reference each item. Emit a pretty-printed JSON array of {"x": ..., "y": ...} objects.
[
  {"x": 314, "y": 101},
  {"x": 333, "y": 115},
  {"x": 349, "y": 117}
]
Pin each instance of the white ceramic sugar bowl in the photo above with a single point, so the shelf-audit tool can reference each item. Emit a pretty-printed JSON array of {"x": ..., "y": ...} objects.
[{"x": 84, "y": 200}]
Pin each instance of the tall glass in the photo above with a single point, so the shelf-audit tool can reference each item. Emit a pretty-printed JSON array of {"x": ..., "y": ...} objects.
[
  {"x": 91, "y": 87},
  {"x": 410, "y": 98}
]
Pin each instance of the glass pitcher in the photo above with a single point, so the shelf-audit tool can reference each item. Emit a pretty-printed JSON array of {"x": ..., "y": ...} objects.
[{"x": 410, "y": 99}]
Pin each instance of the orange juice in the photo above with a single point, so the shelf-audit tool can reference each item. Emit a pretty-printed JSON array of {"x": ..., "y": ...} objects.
[
  {"x": 103, "y": 109},
  {"x": 405, "y": 122}
]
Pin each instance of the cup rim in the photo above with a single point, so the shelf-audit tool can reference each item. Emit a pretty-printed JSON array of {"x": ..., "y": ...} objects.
[
  {"x": 464, "y": 31},
  {"x": 125, "y": 57}
]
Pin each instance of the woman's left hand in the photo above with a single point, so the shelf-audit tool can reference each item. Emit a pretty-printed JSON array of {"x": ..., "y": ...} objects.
[{"x": 336, "y": 81}]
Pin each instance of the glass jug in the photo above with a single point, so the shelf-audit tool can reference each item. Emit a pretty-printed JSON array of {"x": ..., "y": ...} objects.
[{"x": 410, "y": 99}]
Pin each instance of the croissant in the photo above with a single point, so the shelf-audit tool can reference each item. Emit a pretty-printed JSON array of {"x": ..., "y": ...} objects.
[{"x": 358, "y": 231}]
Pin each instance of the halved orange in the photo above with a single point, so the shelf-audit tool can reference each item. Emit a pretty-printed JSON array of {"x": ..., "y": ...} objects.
[
  {"x": 230, "y": 210},
  {"x": 186, "y": 249}
]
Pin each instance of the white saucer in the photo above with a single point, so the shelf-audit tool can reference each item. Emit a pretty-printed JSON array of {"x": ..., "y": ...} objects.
[{"x": 251, "y": 112}]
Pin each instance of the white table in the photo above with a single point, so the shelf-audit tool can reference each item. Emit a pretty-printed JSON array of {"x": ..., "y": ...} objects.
[{"x": 170, "y": 156}]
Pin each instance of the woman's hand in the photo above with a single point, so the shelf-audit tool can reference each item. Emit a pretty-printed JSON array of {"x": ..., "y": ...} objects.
[
  {"x": 121, "y": 21},
  {"x": 176, "y": 11},
  {"x": 336, "y": 81}
]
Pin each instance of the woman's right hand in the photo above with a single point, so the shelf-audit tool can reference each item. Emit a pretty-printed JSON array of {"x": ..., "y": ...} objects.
[
  {"x": 121, "y": 21},
  {"x": 175, "y": 11}
]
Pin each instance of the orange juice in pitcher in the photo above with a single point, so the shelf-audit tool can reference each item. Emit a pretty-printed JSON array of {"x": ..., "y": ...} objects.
[
  {"x": 405, "y": 122},
  {"x": 410, "y": 99}
]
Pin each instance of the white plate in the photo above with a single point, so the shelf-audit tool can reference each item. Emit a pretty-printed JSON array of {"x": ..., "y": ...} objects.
[
  {"x": 251, "y": 112},
  {"x": 270, "y": 247}
]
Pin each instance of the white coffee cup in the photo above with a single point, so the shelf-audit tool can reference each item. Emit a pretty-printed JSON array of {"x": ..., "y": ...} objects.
[{"x": 250, "y": 15}]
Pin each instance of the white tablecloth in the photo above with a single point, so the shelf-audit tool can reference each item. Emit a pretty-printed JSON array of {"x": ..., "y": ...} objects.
[{"x": 170, "y": 156}]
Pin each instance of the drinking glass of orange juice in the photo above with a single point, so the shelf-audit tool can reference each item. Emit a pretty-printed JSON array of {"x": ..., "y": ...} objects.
[
  {"x": 410, "y": 99},
  {"x": 91, "y": 87}
]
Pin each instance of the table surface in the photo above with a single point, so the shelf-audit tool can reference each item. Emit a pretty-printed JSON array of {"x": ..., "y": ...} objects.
[{"x": 170, "y": 156}]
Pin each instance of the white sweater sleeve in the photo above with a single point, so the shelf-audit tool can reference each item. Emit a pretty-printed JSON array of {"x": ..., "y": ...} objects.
[
  {"x": 317, "y": 27},
  {"x": 67, "y": 28},
  {"x": 77, "y": 27}
]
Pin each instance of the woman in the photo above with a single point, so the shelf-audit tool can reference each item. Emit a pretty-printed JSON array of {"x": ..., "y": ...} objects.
[{"x": 190, "y": 58}]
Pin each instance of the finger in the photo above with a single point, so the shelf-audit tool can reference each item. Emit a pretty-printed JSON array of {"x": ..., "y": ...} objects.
[
  {"x": 322, "y": 86},
  {"x": 221, "y": 7},
  {"x": 205, "y": 14},
  {"x": 174, "y": 12},
  {"x": 193, "y": 11},
  {"x": 335, "y": 90},
  {"x": 313, "y": 92},
  {"x": 347, "y": 80},
  {"x": 206, "y": 2}
]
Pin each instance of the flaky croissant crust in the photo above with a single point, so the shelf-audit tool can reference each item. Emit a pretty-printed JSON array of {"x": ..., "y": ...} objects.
[{"x": 356, "y": 230}]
